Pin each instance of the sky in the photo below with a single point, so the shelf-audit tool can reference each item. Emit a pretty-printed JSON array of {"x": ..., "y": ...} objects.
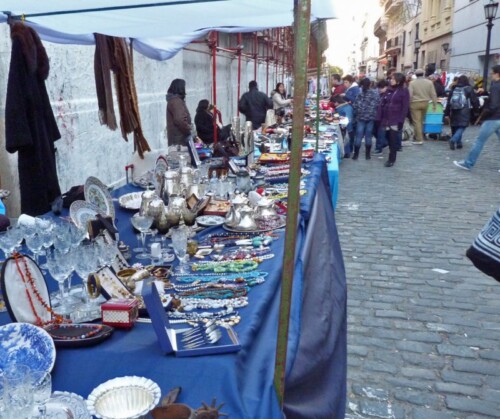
[{"x": 342, "y": 32}]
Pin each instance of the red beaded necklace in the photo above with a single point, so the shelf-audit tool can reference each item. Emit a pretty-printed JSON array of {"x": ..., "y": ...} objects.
[{"x": 29, "y": 282}]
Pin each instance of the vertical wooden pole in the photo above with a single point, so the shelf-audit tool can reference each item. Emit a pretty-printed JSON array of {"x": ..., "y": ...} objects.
[{"x": 302, "y": 13}]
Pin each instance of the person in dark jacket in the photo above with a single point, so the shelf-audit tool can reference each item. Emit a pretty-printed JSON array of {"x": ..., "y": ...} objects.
[
  {"x": 204, "y": 122},
  {"x": 394, "y": 108},
  {"x": 491, "y": 124},
  {"x": 438, "y": 85},
  {"x": 461, "y": 116},
  {"x": 254, "y": 105},
  {"x": 379, "y": 131},
  {"x": 178, "y": 117},
  {"x": 365, "y": 108}
]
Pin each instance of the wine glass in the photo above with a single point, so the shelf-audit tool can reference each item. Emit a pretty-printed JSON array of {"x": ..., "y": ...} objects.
[
  {"x": 60, "y": 269},
  {"x": 35, "y": 244},
  {"x": 142, "y": 223},
  {"x": 7, "y": 243},
  {"x": 179, "y": 243},
  {"x": 83, "y": 267}
]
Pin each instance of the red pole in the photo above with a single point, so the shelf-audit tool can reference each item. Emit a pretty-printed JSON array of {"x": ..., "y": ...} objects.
[
  {"x": 239, "y": 73},
  {"x": 256, "y": 46},
  {"x": 213, "y": 44},
  {"x": 283, "y": 53},
  {"x": 267, "y": 66}
]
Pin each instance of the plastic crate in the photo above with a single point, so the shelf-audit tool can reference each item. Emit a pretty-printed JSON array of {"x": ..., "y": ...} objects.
[
  {"x": 433, "y": 118},
  {"x": 433, "y": 128}
]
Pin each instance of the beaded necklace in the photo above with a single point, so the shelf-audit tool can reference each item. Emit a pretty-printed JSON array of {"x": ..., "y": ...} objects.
[
  {"x": 94, "y": 330},
  {"x": 29, "y": 282},
  {"x": 214, "y": 292},
  {"x": 227, "y": 266},
  {"x": 235, "y": 277}
]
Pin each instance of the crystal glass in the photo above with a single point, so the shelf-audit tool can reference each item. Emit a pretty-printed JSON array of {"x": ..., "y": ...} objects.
[
  {"x": 143, "y": 224},
  {"x": 18, "y": 397},
  {"x": 83, "y": 268},
  {"x": 7, "y": 243},
  {"x": 35, "y": 244},
  {"x": 41, "y": 383},
  {"x": 179, "y": 243},
  {"x": 60, "y": 268}
]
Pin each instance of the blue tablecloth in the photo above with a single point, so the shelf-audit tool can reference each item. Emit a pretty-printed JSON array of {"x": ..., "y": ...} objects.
[
  {"x": 316, "y": 386},
  {"x": 333, "y": 173}
]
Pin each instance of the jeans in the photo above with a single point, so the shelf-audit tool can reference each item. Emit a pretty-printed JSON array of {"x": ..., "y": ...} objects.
[
  {"x": 364, "y": 129},
  {"x": 487, "y": 129},
  {"x": 456, "y": 138},
  {"x": 381, "y": 138}
]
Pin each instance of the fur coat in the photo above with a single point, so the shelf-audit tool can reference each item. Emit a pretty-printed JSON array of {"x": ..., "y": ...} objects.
[{"x": 30, "y": 126}]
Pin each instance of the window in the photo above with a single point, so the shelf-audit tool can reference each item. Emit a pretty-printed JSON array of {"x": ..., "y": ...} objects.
[
  {"x": 417, "y": 28},
  {"x": 403, "y": 44}
]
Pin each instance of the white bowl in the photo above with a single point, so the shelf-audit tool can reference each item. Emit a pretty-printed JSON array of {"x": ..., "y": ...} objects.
[{"x": 124, "y": 398}]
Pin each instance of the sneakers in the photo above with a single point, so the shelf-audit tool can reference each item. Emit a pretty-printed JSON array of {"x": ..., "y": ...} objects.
[
  {"x": 377, "y": 152},
  {"x": 459, "y": 145},
  {"x": 461, "y": 164},
  {"x": 452, "y": 145},
  {"x": 417, "y": 142}
]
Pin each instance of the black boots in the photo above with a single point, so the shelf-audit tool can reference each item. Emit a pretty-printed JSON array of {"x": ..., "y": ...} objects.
[
  {"x": 356, "y": 153},
  {"x": 367, "y": 152}
]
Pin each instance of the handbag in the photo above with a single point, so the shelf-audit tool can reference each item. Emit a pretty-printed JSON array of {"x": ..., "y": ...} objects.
[{"x": 485, "y": 250}]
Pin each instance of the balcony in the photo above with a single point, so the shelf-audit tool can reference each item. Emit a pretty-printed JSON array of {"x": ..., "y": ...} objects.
[
  {"x": 380, "y": 27},
  {"x": 392, "y": 7},
  {"x": 393, "y": 46}
]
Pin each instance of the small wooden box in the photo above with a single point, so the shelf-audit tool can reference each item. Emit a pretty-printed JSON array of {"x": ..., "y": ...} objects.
[{"x": 120, "y": 312}]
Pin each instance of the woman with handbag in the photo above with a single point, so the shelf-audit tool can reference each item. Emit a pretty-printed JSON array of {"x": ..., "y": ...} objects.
[{"x": 280, "y": 102}]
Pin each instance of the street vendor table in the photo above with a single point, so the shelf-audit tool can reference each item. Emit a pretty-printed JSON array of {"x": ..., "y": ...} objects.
[
  {"x": 333, "y": 172},
  {"x": 316, "y": 362}
]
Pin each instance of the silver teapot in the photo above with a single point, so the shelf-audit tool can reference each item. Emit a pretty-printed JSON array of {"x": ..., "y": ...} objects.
[
  {"x": 247, "y": 221},
  {"x": 265, "y": 209}
]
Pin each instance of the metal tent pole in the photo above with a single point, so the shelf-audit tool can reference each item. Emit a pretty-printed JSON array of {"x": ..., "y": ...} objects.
[
  {"x": 302, "y": 15},
  {"x": 239, "y": 73},
  {"x": 318, "y": 75}
]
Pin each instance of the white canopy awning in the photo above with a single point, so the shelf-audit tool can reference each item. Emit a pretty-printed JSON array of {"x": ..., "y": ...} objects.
[{"x": 160, "y": 30}]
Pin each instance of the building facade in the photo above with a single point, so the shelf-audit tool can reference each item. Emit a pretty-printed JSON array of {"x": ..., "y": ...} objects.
[
  {"x": 468, "y": 44},
  {"x": 414, "y": 33},
  {"x": 369, "y": 45}
]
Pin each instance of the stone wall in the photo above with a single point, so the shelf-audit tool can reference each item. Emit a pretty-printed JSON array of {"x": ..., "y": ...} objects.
[{"x": 89, "y": 149}]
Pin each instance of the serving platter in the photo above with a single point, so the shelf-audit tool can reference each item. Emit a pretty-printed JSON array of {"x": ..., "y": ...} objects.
[
  {"x": 82, "y": 211},
  {"x": 210, "y": 220},
  {"x": 97, "y": 193},
  {"x": 262, "y": 226},
  {"x": 24, "y": 343},
  {"x": 74, "y": 335},
  {"x": 131, "y": 201}
]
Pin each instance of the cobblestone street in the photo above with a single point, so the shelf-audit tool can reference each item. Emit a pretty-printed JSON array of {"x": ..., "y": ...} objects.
[{"x": 423, "y": 322}]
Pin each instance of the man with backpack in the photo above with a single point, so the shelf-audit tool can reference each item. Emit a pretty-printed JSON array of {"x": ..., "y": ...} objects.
[
  {"x": 458, "y": 108},
  {"x": 491, "y": 124}
]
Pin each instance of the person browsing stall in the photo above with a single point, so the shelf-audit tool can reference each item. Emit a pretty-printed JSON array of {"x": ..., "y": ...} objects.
[
  {"x": 204, "y": 122},
  {"x": 178, "y": 117},
  {"x": 254, "y": 105},
  {"x": 280, "y": 101}
]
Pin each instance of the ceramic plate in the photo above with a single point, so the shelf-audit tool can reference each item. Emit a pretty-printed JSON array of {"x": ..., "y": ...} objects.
[
  {"x": 69, "y": 405},
  {"x": 69, "y": 335},
  {"x": 14, "y": 290},
  {"x": 82, "y": 211},
  {"x": 210, "y": 220},
  {"x": 24, "y": 343},
  {"x": 131, "y": 201},
  {"x": 97, "y": 193}
]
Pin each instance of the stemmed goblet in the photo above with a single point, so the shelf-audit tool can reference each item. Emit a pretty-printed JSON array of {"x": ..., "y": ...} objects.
[
  {"x": 179, "y": 242},
  {"x": 35, "y": 244},
  {"x": 7, "y": 243},
  {"x": 142, "y": 223},
  {"x": 60, "y": 267}
]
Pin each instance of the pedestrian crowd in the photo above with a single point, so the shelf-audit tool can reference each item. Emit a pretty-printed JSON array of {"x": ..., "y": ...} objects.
[{"x": 402, "y": 105}]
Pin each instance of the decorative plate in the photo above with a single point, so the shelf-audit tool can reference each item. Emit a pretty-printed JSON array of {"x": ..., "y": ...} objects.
[
  {"x": 210, "y": 220},
  {"x": 131, "y": 201},
  {"x": 71, "y": 404},
  {"x": 82, "y": 211},
  {"x": 24, "y": 343},
  {"x": 14, "y": 291},
  {"x": 263, "y": 226},
  {"x": 124, "y": 397},
  {"x": 97, "y": 193},
  {"x": 73, "y": 335}
]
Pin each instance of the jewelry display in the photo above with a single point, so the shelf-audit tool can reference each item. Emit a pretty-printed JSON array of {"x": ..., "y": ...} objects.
[
  {"x": 250, "y": 278},
  {"x": 32, "y": 290},
  {"x": 231, "y": 266}
]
